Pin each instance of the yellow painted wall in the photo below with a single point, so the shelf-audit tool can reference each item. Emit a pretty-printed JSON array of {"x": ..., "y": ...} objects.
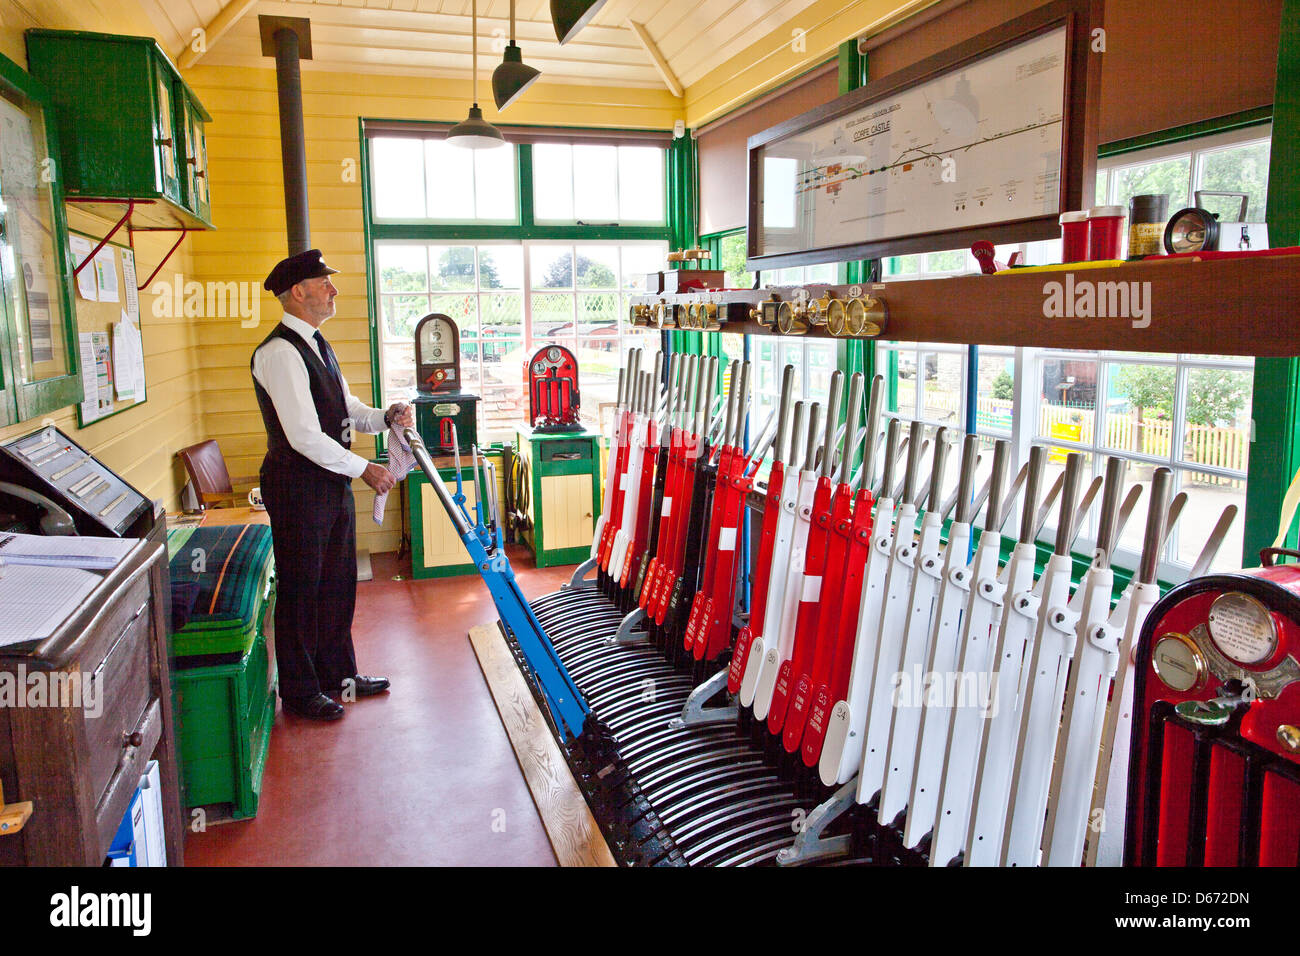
[
  {"x": 788, "y": 51},
  {"x": 248, "y": 210},
  {"x": 140, "y": 443}
]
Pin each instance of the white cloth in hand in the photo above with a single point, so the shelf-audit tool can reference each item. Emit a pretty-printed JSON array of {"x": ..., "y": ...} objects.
[{"x": 400, "y": 463}]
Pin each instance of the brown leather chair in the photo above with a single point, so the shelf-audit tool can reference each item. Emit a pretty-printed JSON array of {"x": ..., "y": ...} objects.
[{"x": 213, "y": 485}]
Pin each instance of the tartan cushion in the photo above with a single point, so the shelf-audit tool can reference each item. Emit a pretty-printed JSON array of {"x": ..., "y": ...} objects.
[{"x": 230, "y": 566}]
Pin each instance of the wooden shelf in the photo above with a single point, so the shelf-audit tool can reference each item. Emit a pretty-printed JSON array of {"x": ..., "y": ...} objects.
[
  {"x": 1224, "y": 306},
  {"x": 148, "y": 215}
]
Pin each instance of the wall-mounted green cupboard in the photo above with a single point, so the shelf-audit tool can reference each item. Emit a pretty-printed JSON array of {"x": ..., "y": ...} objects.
[{"x": 128, "y": 126}]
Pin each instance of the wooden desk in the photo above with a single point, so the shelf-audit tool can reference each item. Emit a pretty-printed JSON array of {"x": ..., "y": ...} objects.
[
  {"x": 81, "y": 768},
  {"x": 216, "y": 517}
]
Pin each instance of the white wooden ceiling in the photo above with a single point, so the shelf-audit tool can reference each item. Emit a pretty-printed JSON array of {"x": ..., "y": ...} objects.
[{"x": 432, "y": 37}]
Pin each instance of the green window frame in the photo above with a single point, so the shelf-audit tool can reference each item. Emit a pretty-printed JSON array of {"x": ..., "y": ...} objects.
[
  {"x": 524, "y": 229},
  {"x": 22, "y": 400}
]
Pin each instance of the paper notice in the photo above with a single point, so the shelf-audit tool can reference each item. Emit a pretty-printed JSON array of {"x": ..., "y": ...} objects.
[
  {"x": 89, "y": 379},
  {"x": 106, "y": 274},
  {"x": 87, "y": 287},
  {"x": 129, "y": 283},
  {"x": 123, "y": 370},
  {"x": 103, "y": 369},
  {"x": 135, "y": 356}
]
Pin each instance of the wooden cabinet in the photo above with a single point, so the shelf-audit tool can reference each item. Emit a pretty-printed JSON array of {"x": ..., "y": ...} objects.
[
  {"x": 80, "y": 765},
  {"x": 563, "y": 493},
  {"x": 436, "y": 548},
  {"x": 129, "y": 127},
  {"x": 193, "y": 119}
]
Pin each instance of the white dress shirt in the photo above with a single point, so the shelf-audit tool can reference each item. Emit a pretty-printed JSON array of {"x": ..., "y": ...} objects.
[{"x": 280, "y": 370}]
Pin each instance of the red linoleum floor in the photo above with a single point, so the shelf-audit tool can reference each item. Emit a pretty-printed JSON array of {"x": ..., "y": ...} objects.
[{"x": 422, "y": 776}]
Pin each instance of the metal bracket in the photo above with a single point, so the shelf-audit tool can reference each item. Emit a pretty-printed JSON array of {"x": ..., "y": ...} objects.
[
  {"x": 810, "y": 845},
  {"x": 130, "y": 208},
  {"x": 184, "y": 231},
  {"x": 579, "y": 581},
  {"x": 627, "y": 632},
  {"x": 695, "y": 714}
]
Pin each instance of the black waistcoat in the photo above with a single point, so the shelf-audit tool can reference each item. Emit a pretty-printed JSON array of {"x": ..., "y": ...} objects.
[{"x": 282, "y": 462}]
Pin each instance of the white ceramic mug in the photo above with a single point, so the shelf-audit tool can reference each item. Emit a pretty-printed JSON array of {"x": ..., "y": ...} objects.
[{"x": 255, "y": 499}]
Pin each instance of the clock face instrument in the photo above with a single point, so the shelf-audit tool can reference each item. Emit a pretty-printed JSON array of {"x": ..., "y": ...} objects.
[
  {"x": 440, "y": 401},
  {"x": 437, "y": 355},
  {"x": 553, "y": 390}
]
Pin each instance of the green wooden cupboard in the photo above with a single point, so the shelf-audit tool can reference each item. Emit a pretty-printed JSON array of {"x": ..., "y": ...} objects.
[{"x": 129, "y": 127}]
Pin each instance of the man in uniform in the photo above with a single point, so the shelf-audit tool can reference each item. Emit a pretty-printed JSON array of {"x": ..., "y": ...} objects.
[{"x": 310, "y": 418}]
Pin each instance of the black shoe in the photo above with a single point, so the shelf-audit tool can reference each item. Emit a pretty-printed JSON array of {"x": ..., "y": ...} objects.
[
  {"x": 315, "y": 707},
  {"x": 364, "y": 686}
]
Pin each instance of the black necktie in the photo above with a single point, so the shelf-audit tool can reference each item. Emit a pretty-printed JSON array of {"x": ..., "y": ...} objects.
[{"x": 327, "y": 356}]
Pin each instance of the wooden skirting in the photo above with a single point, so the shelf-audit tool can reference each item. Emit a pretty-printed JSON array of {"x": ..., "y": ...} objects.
[{"x": 574, "y": 834}]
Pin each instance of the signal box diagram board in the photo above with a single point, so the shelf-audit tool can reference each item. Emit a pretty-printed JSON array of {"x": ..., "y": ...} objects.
[{"x": 976, "y": 142}]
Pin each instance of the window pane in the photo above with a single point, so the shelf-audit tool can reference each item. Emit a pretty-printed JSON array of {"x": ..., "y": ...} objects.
[
  {"x": 827, "y": 272},
  {"x": 1101, "y": 188},
  {"x": 597, "y": 372},
  {"x": 449, "y": 171},
  {"x": 453, "y": 268},
  {"x": 641, "y": 183},
  {"x": 996, "y": 391},
  {"x": 779, "y": 174},
  {"x": 470, "y": 379},
  {"x": 553, "y": 181},
  {"x": 494, "y": 183},
  {"x": 903, "y": 265},
  {"x": 1217, "y": 427},
  {"x": 495, "y": 346},
  {"x": 944, "y": 374},
  {"x": 954, "y": 260},
  {"x": 501, "y": 267},
  {"x": 401, "y": 312},
  {"x": 553, "y": 317},
  {"x": 733, "y": 262},
  {"x": 595, "y": 183},
  {"x": 398, "y": 177},
  {"x": 403, "y": 268},
  {"x": 821, "y": 363},
  {"x": 552, "y": 267},
  {"x": 461, "y": 309},
  {"x": 1139, "y": 409},
  {"x": 399, "y": 371},
  {"x": 504, "y": 403},
  {"x": 597, "y": 267},
  {"x": 502, "y": 313},
  {"x": 906, "y": 389},
  {"x": 1168, "y": 176},
  {"x": 640, "y": 260},
  {"x": 1238, "y": 169},
  {"x": 597, "y": 310},
  {"x": 1068, "y": 387}
]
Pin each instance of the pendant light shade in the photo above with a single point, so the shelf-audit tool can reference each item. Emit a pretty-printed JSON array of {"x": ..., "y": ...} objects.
[
  {"x": 512, "y": 77},
  {"x": 570, "y": 16},
  {"x": 474, "y": 132}
]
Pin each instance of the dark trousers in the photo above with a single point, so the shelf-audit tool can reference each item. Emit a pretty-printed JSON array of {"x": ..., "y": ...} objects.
[{"x": 313, "y": 528}]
